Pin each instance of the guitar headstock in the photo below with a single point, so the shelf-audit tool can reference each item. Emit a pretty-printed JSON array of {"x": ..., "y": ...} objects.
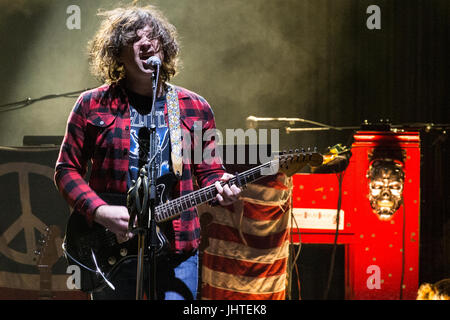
[
  {"x": 47, "y": 251},
  {"x": 334, "y": 152},
  {"x": 335, "y": 160},
  {"x": 293, "y": 161}
]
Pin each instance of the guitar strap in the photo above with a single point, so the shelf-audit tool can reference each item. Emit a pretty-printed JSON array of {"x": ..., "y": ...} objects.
[{"x": 173, "y": 111}]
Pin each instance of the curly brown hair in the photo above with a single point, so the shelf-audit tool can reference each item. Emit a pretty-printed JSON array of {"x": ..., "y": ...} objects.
[{"x": 118, "y": 29}]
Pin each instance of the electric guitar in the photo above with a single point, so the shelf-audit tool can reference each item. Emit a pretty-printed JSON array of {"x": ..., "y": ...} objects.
[
  {"x": 99, "y": 254},
  {"x": 47, "y": 253}
]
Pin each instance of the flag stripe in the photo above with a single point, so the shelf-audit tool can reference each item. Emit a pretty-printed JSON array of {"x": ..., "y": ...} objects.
[
  {"x": 261, "y": 242},
  {"x": 242, "y": 252},
  {"x": 244, "y": 284},
  {"x": 212, "y": 293},
  {"x": 264, "y": 212},
  {"x": 244, "y": 224},
  {"x": 244, "y": 268}
]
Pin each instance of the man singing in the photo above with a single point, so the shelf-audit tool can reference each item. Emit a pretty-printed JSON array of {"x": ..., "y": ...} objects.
[{"x": 109, "y": 127}]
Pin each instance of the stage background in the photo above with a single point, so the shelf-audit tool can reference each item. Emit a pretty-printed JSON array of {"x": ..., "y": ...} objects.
[{"x": 312, "y": 59}]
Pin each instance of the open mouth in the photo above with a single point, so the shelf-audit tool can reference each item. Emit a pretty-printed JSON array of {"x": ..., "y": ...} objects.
[{"x": 145, "y": 64}]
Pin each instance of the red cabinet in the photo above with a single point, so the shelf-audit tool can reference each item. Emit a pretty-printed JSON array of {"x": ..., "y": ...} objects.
[{"x": 381, "y": 247}]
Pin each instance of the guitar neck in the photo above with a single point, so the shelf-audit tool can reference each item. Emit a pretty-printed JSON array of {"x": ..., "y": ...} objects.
[
  {"x": 45, "y": 283},
  {"x": 173, "y": 208}
]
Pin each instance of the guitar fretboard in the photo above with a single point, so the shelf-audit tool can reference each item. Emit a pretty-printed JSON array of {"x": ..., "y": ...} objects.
[
  {"x": 170, "y": 209},
  {"x": 45, "y": 282}
]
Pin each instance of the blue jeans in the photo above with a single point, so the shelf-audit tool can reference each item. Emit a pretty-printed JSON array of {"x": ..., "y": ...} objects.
[{"x": 176, "y": 279}]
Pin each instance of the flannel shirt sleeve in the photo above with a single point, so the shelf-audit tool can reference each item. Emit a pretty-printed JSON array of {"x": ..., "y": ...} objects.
[
  {"x": 72, "y": 161},
  {"x": 211, "y": 168}
]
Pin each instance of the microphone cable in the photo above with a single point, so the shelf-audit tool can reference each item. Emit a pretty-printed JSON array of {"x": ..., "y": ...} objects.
[{"x": 340, "y": 177}]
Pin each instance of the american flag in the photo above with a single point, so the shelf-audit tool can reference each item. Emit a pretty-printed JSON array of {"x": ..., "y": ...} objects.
[{"x": 247, "y": 244}]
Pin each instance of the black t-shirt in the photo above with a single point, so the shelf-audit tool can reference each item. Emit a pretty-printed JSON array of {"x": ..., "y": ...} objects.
[{"x": 140, "y": 120}]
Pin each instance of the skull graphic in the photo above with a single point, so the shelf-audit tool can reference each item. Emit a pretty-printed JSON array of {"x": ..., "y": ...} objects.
[{"x": 386, "y": 181}]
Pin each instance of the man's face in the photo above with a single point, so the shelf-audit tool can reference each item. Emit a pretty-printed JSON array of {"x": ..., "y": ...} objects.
[
  {"x": 385, "y": 188},
  {"x": 135, "y": 55}
]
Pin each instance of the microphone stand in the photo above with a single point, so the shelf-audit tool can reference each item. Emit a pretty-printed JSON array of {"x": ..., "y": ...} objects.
[
  {"x": 28, "y": 101},
  {"x": 252, "y": 122},
  {"x": 149, "y": 232}
]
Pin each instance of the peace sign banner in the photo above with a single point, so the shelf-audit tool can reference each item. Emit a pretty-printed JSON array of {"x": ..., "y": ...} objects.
[{"x": 30, "y": 204}]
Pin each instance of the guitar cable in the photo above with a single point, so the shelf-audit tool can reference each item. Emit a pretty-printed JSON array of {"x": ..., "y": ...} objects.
[
  {"x": 340, "y": 177},
  {"x": 403, "y": 251},
  {"x": 97, "y": 271},
  {"x": 75, "y": 260},
  {"x": 295, "y": 255},
  {"x": 100, "y": 272}
]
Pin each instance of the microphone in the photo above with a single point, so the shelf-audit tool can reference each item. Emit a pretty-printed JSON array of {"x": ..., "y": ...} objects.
[{"x": 153, "y": 61}]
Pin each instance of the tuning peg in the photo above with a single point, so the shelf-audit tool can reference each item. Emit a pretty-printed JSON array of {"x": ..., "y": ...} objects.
[{"x": 37, "y": 252}]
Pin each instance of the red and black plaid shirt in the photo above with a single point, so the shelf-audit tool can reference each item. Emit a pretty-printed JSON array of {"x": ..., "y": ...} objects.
[{"x": 98, "y": 130}]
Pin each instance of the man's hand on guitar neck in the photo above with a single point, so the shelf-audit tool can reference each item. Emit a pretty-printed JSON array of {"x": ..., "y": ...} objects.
[
  {"x": 227, "y": 195},
  {"x": 115, "y": 219}
]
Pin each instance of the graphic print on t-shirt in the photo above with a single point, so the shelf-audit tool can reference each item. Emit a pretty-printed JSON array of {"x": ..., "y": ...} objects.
[{"x": 140, "y": 120}]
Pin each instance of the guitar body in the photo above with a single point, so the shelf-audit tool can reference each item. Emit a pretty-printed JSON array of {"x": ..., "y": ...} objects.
[{"x": 83, "y": 240}]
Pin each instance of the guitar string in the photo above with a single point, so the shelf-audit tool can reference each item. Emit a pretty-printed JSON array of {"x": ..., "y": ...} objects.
[
  {"x": 205, "y": 191},
  {"x": 164, "y": 211},
  {"x": 176, "y": 203}
]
